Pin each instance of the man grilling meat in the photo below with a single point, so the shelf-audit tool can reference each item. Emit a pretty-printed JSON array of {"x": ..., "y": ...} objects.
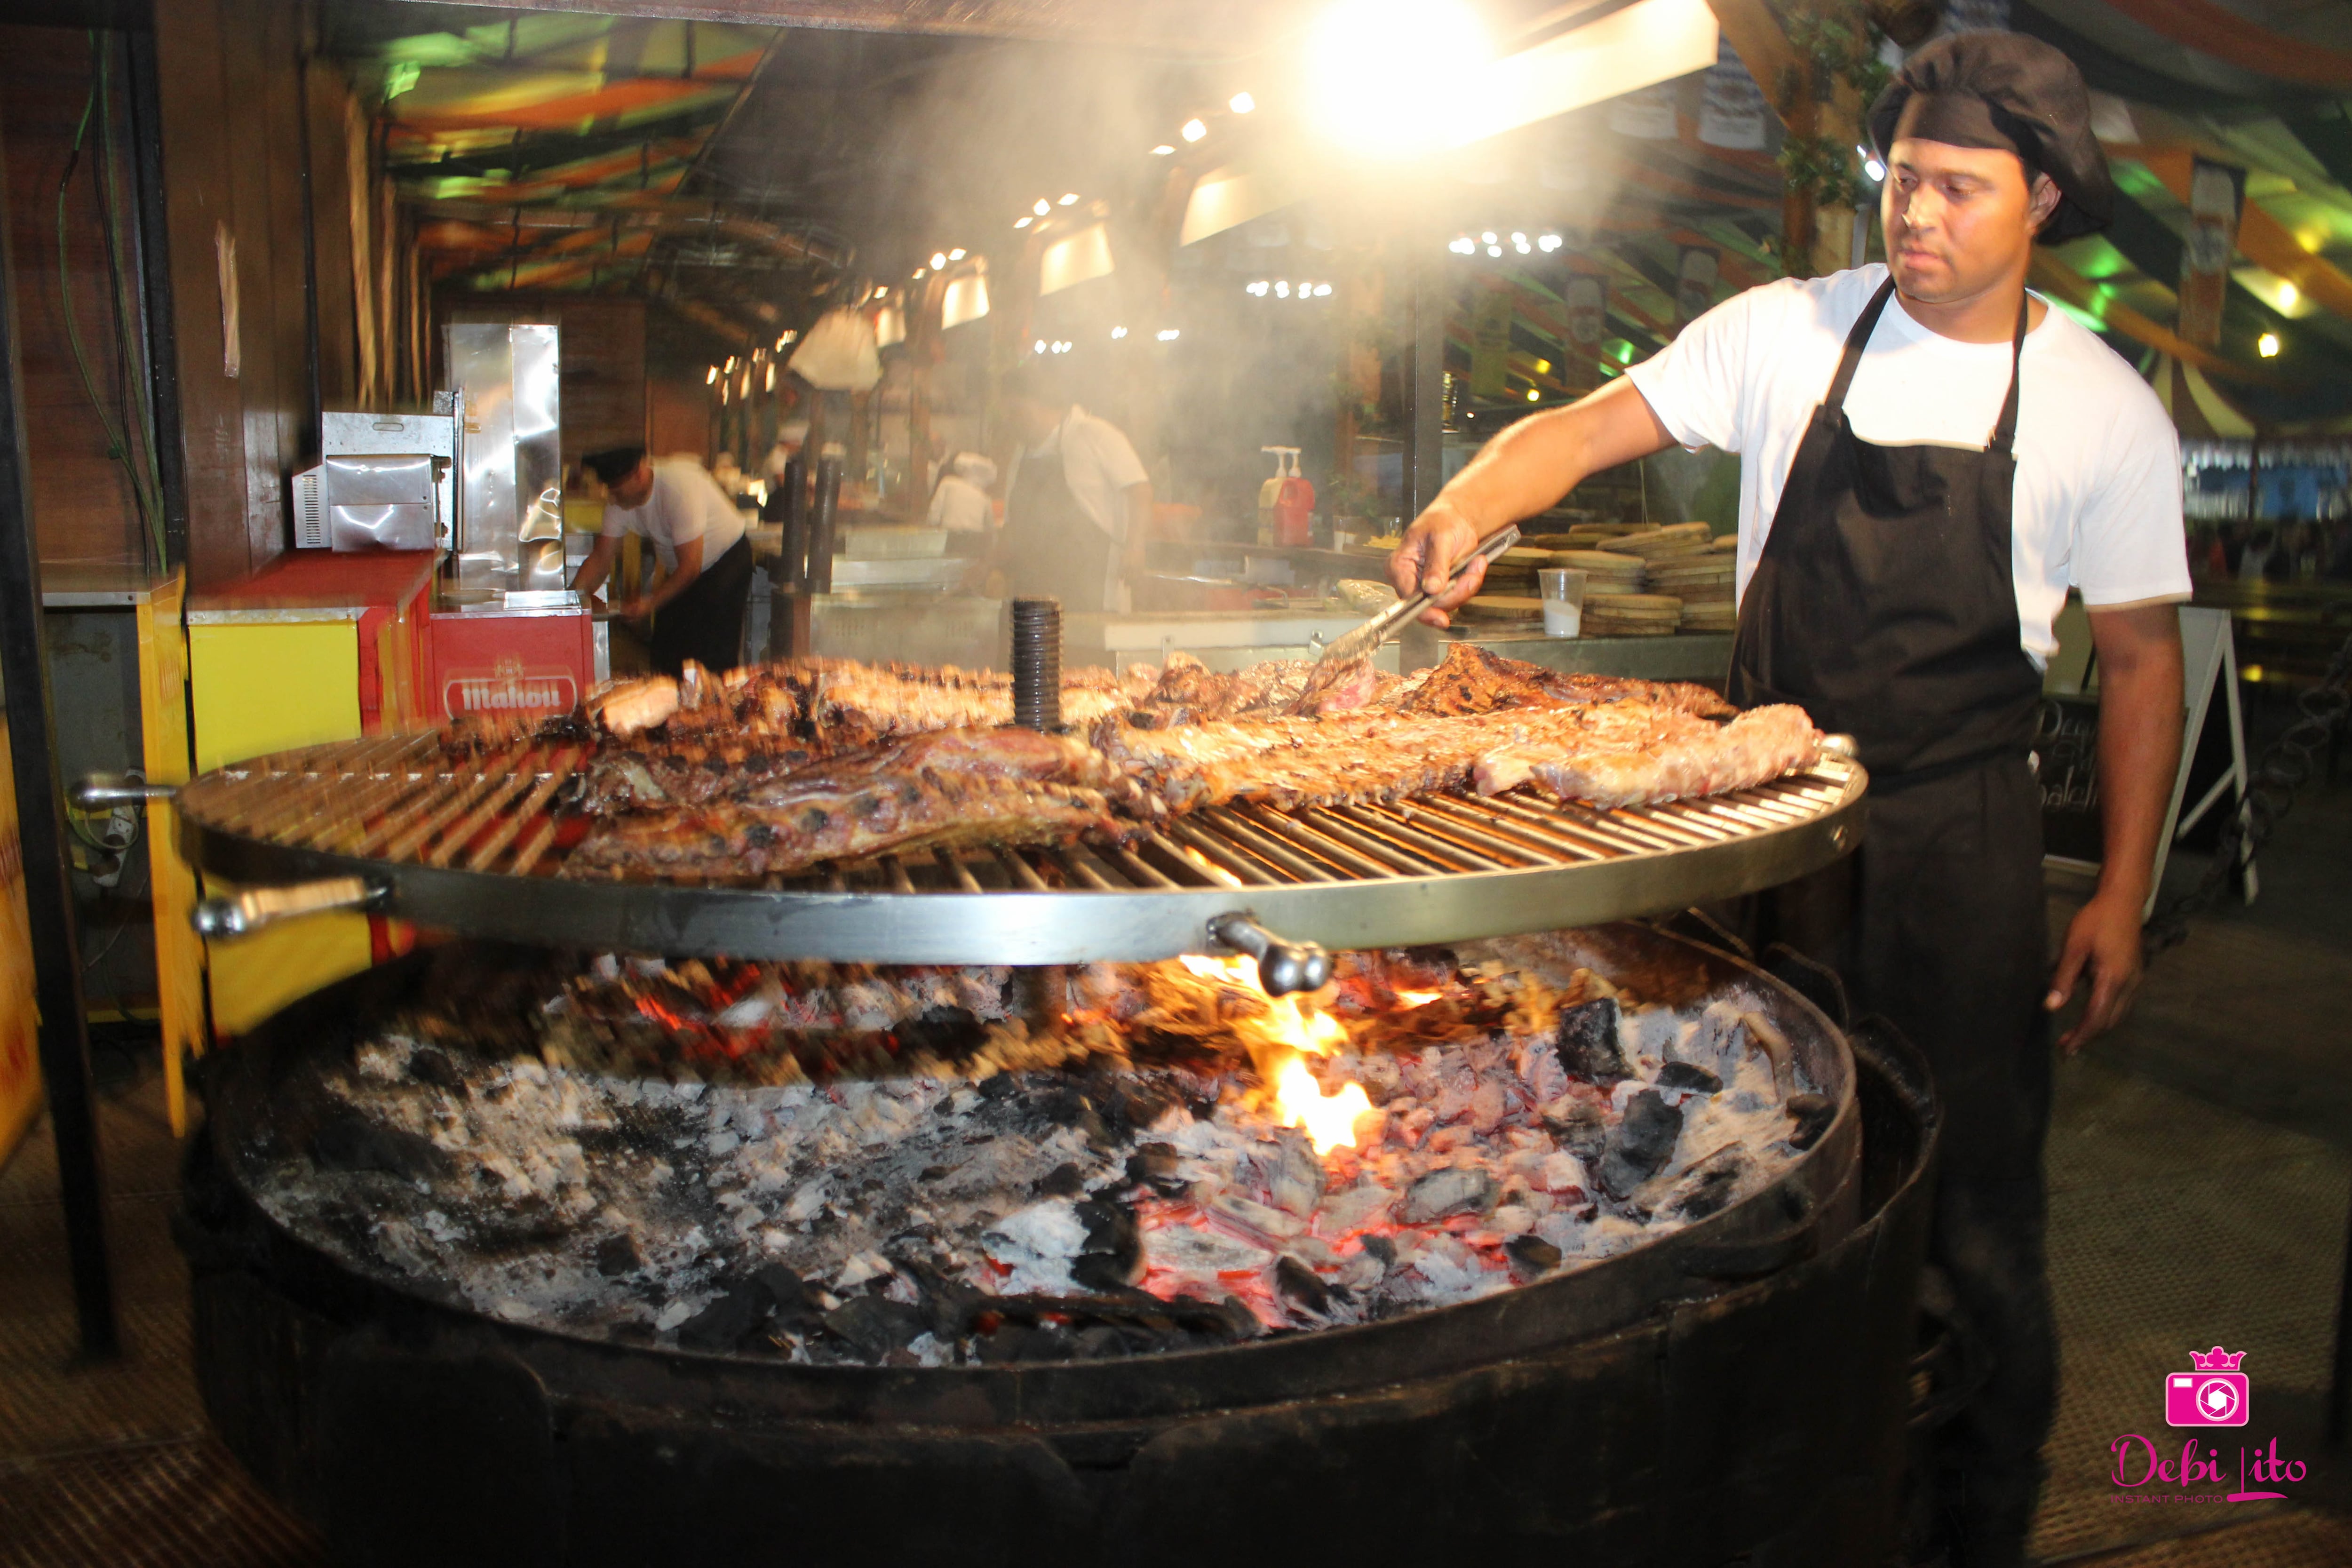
[
  {"x": 697, "y": 611},
  {"x": 1931, "y": 457}
]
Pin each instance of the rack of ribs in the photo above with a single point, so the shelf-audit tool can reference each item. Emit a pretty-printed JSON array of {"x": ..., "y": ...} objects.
[{"x": 944, "y": 788}]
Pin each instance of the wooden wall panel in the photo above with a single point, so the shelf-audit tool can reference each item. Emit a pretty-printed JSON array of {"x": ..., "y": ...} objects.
[
  {"x": 84, "y": 509},
  {"x": 326, "y": 102},
  {"x": 245, "y": 146},
  {"x": 681, "y": 412},
  {"x": 196, "y": 167}
]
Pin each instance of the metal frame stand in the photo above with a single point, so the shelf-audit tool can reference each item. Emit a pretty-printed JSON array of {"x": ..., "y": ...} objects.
[{"x": 41, "y": 834}]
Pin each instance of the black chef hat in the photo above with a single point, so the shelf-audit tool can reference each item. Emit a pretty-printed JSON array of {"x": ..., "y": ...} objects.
[{"x": 2012, "y": 92}]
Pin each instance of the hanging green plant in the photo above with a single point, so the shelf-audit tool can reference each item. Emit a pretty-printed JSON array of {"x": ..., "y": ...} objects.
[{"x": 1838, "y": 41}]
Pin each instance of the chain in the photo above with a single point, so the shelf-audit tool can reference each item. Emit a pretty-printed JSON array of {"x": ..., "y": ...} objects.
[{"x": 2283, "y": 769}]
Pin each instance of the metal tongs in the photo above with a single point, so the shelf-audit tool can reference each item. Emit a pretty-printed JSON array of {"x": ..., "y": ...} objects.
[{"x": 1369, "y": 637}]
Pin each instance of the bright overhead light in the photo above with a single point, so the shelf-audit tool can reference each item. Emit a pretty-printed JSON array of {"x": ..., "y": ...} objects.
[
  {"x": 1163, "y": 150},
  {"x": 1466, "y": 246},
  {"x": 711, "y": 379},
  {"x": 1494, "y": 250},
  {"x": 921, "y": 274},
  {"x": 2267, "y": 345},
  {"x": 1322, "y": 289},
  {"x": 772, "y": 375},
  {"x": 2289, "y": 296},
  {"x": 1548, "y": 243},
  {"x": 1487, "y": 237},
  {"x": 1533, "y": 395},
  {"x": 955, "y": 255},
  {"x": 1384, "y": 73},
  {"x": 1193, "y": 129},
  {"x": 1241, "y": 103},
  {"x": 1039, "y": 346},
  {"x": 788, "y": 338},
  {"x": 1024, "y": 222},
  {"x": 1169, "y": 334},
  {"x": 1119, "y": 331},
  {"x": 881, "y": 294},
  {"x": 1070, "y": 199},
  {"x": 1258, "y": 288},
  {"x": 1282, "y": 289},
  {"x": 939, "y": 258},
  {"x": 1043, "y": 207},
  {"x": 1873, "y": 168},
  {"x": 731, "y": 362},
  {"x": 1520, "y": 240}
]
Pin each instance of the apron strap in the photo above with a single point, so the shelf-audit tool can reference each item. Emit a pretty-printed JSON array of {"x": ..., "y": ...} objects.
[
  {"x": 1855, "y": 343},
  {"x": 2004, "y": 432}
]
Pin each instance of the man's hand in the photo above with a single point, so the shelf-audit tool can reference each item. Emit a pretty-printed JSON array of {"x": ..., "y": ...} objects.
[
  {"x": 1424, "y": 562},
  {"x": 1517, "y": 474},
  {"x": 638, "y": 613},
  {"x": 2104, "y": 937}
]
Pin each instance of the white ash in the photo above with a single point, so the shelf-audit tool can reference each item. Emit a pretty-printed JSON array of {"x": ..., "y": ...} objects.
[{"x": 637, "y": 1207}]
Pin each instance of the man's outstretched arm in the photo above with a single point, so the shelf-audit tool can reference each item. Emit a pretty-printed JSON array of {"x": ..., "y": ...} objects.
[{"x": 1519, "y": 473}]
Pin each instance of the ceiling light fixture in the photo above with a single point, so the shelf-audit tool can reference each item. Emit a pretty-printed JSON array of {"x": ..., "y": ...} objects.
[
  {"x": 1384, "y": 74},
  {"x": 1169, "y": 334},
  {"x": 1119, "y": 331},
  {"x": 1241, "y": 103},
  {"x": 1193, "y": 129},
  {"x": 1024, "y": 222},
  {"x": 939, "y": 258},
  {"x": 955, "y": 255},
  {"x": 1069, "y": 198},
  {"x": 2267, "y": 345},
  {"x": 1043, "y": 207},
  {"x": 1164, "y": 150},
  {"x": 711, "y": 379}
]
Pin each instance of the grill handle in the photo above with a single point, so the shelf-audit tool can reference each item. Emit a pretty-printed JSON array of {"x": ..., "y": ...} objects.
[
  {"x": 1282, "y": 966},
  {"x": 99, "y": 792},
  {"x": 248, "y": 912}
]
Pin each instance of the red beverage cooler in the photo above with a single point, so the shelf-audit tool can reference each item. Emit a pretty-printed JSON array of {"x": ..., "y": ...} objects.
[{"x": 511, "y": 660}]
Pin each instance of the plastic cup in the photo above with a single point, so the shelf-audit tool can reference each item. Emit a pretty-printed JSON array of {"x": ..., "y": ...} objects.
[{"x": 1563, "y": 600}]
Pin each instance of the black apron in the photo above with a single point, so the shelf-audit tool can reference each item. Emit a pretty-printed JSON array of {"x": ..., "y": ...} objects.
[
  {"x": 1884, "y": 606},
  {"x": 1052, "y": 548},
  {"x": 704, "y": 622}
]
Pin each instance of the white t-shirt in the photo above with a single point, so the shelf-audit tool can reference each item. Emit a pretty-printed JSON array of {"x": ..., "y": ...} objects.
[
  {"x": 2097, "y": 500},
  {"x": 685, "y": 504},
  {"x": 1098, "y": 464}
]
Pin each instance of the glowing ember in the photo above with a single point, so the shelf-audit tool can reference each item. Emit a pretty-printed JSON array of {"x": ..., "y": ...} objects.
[{"x": 1418, "y": 998}]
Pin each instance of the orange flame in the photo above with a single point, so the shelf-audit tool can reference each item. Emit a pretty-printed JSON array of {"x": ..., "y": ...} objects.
[
  {"x": 1418, "y": 998},
  {"x": 1281, "y": 1038}
]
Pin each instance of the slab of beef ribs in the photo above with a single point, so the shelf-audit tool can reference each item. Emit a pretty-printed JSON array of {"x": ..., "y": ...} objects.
[{"x": 942, "y": 789}]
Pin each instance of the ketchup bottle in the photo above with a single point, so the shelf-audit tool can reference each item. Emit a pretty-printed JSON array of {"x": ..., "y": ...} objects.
[{"x": 1294, "y": 501}]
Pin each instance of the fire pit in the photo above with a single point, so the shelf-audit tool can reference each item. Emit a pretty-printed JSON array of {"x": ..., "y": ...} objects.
[{"x": 1451, "y": 1252}]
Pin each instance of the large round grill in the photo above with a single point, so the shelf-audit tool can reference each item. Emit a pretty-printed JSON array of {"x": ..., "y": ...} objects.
[{"x": 477, "y": 845}]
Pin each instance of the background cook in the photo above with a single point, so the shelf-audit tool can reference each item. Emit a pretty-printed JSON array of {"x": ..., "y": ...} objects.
[
  {"x": 697, "y": 609},
  {"x": 1899, "y": 574},
  {"x": 1077, "y": 510}
]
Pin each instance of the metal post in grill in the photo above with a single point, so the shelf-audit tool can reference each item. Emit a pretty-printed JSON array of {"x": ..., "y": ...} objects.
[
  {"x": 796, "y": 523},
  {"x": 821, "y": 531},
  {"x": 1038, "y": 664}
]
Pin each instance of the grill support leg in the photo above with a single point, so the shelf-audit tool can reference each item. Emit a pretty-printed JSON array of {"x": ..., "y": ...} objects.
[{"x": 41, "y": 835}]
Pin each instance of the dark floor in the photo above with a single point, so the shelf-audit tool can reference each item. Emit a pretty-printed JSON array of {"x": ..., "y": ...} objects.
[{"x": 2200, "y": 1169}]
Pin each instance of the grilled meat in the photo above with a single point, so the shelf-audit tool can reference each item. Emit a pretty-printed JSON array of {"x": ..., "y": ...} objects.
[
  {"x": 1472, "y": 680},
  {"x": 944, "y": 788},
  {"x": 1665, "y": 756}
]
